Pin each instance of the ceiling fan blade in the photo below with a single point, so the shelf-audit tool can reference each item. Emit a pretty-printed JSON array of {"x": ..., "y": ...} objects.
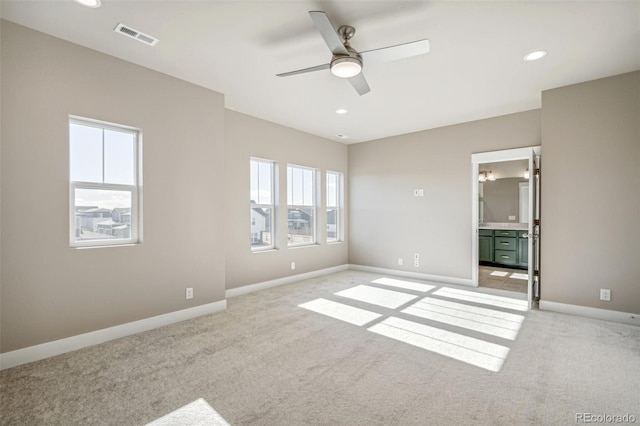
[
  {"x": 304, "y": 70},
  {"x": 392, "y": 53},
  {"x": 360, "y": 84},
  {"x": 329, "y": 33}
]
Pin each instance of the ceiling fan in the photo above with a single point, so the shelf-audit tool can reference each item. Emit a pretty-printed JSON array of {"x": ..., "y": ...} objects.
[{"x": 346, "y": 62}]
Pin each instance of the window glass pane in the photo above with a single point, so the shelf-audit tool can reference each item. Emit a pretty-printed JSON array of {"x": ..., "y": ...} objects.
[
  {"x": 119, "y": 157},
  {"x": 85, "y": 149},
  {"x": 308, "y": 187},
  {"x": 332, "y": 190},
  {"x": 102, "y": 214},
  {"x": 254, "y": 181},
  {"x": 264, "y": 183},
  {"x": 261, "y": 233},
  {"x": 301, "y": 226},
  {"x": 289, "y": 185},
  {"x": 332, "y": 225},
  {"x": 296, "y": 183}
]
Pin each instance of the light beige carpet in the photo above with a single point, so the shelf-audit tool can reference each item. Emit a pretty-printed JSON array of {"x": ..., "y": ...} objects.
[{"x": 344, "y": 350}]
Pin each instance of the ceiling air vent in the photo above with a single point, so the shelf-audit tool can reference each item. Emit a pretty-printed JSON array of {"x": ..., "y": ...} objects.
[{"x": 135, "y": 34}]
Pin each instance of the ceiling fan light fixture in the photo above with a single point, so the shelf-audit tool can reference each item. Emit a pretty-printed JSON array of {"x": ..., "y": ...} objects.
[{"x": 346, "y": 66}]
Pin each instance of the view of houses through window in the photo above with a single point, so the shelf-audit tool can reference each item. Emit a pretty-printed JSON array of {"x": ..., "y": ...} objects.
[
  {"x": 334, "y": 204},
  {"x": 301, "y": 205},
  {"x": 103, "y": 183},
  {"x": 262, "y": 196}
]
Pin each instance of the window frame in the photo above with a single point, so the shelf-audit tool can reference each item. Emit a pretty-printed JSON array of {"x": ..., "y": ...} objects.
[
  {"x": 314, "y": 206},
  {"x": 339, "y": 206},
  {"x": 135, "y": 189},
  {"x": 274, "y": 166}
]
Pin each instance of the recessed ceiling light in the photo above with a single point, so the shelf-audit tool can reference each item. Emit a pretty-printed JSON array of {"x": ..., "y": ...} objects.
[
  {"x": 90, "y": 3},
  {"x": 341, "y": 111},
  {"x": 535, "y": 55},
  {"x": 341, "y": 136}
]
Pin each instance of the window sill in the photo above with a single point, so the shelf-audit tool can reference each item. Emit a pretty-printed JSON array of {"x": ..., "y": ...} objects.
[
  {"x": 303, "y": 246},
  {"x": 269, "y": 250},
  {"x": 104, "y": 246}
]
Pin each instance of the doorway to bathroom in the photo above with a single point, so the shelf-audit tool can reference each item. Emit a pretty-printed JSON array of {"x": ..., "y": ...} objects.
[{"x": 506, "y": 220}]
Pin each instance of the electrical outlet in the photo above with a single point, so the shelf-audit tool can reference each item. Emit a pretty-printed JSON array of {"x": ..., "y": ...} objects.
[
  {"x": 416, "y": 259},
  {"x": 605, "y": 294},
  {"x": 189, "y": 293},
  {"x": 512, "y": 218},
  {"x": 400, "y": 261},
  {"x": 293, "y": 266}
]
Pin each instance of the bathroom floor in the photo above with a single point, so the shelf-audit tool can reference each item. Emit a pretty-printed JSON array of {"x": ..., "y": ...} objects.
[{"x": 503, "y": 278}]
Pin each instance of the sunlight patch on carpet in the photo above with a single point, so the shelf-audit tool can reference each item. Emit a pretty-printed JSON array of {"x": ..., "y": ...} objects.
[
  {"x": 341, "y": 311},
  {"x": 453, "y": 345},
  {"x": 483, "y": 298},
  {"x": 484, "y": 320},
  {"x": 196, "y": 413},
  {"x": 377, "y": 296},
  {"x": 407, "y": 285}
]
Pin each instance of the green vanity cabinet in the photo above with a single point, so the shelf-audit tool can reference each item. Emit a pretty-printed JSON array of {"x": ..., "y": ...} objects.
[
  {"x": 523, "y": 250},
  {"x": 485, "y": 245},
  {"x": 503, "y": 247}
]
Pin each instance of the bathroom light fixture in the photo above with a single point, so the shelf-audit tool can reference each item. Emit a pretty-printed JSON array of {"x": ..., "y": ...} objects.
[
  {"x": 346, "y": 66},
  {"x": 90, "y": 3},
  {"x": 486, "y": 176},
  {"x": 535, "y": 55},
  {"x": 341, "y": 111},
  {"x": 341, "y": 136},
  {"x": 526, "y": 173}
]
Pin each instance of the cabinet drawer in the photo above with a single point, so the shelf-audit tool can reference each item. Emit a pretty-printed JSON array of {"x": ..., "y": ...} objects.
[
  {"x": 505, "y": 257},
  {"x": 486, "y": 232},
  {"x": 504, "y": 243},
  {"x": 505, "y": 233}
]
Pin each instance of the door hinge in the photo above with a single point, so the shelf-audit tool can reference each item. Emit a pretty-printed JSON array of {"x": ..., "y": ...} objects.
[
  {"x": 536, "y": 273},
  {"x": 537, "y": 173},
  {"x": 536, "y": 222}
]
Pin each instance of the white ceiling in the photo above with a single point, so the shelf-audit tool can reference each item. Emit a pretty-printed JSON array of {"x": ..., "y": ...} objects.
[{"x": 475, "y": 68}]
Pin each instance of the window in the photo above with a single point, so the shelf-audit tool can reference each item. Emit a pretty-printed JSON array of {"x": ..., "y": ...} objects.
[
  {"x": 334, "y": 207},
  {"x": 103, "y": 183},
  {"x": 301, "y": 205},
  {"x": 262, "y": 204}
]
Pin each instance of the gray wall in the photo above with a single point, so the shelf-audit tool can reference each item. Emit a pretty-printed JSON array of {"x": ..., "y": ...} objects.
[
  {"x": 248, "y": 137},
  {"x": 388, "y": 222},
  {"x": 501, "y": 200},
  {"x": 591, "y": 193},
  {"x": 50, "y": 291}
]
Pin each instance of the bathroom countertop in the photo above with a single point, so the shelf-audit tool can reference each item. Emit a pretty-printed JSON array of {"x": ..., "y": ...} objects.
[{"x": 498, "y": 225}]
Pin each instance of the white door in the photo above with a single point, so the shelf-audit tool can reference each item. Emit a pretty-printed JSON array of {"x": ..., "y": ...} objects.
[{"x": 534, "y": 228}]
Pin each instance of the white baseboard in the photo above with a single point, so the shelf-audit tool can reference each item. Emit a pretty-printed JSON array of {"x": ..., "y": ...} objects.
[
  {"x": 586, "y": 311},
  {"x": 416, "y": 275},
  {"x": 239, "y": 291},
  {"x": 58, "y": 347}
]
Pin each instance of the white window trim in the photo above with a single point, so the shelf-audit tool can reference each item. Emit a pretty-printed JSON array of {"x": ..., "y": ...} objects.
[
  {"x": 314, "y": 242},
  {"x": 135, "y": 190},
  {"x": 272, "y": 206},
  {"x": 340, "y": 207}
]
